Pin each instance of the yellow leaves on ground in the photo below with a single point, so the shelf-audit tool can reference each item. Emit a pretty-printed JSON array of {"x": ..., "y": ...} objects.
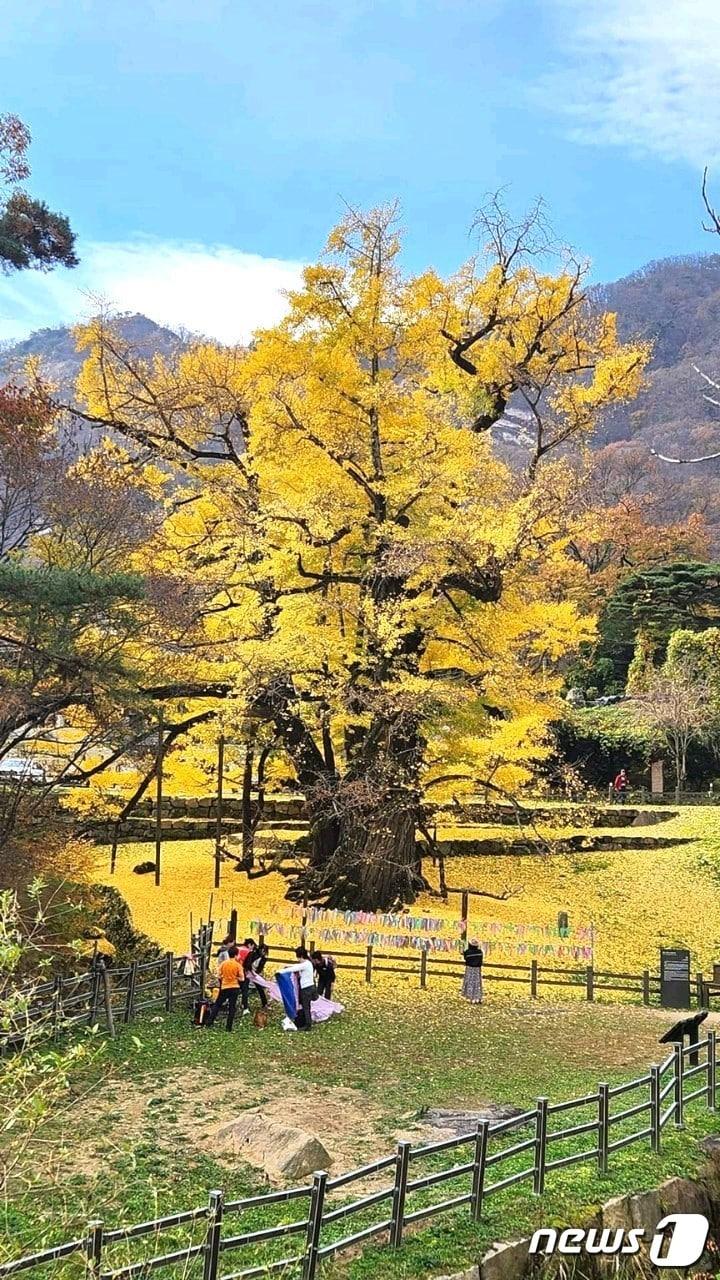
[{"x": 637, "y": 900}]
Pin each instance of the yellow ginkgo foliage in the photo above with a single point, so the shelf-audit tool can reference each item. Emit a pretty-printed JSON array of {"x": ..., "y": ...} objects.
[{"x": 362, "y": 572}]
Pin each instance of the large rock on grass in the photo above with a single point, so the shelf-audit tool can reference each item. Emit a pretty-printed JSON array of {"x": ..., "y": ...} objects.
[{"x": 281, "y": 1152}]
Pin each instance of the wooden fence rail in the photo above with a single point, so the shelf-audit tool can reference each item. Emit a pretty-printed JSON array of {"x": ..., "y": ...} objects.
[
  {"x": 67, "y": 1003},
  {"x": 486, "y": 1162}
]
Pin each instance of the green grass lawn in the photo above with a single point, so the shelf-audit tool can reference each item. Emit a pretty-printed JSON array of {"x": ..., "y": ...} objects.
[{"x": 137, "y": 1139}]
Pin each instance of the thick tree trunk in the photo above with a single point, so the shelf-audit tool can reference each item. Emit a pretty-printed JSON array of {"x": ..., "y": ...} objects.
[{"x": 369, "y": 861}]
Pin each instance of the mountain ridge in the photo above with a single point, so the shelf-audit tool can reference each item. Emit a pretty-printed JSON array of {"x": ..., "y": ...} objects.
[{"x": 675, "y": 302}]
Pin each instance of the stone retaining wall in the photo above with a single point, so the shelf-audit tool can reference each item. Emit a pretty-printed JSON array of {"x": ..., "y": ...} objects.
[{"x": 511, "y": 1260}]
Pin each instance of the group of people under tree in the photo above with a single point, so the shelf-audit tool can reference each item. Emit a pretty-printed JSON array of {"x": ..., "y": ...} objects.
[{"x": 238, "y": 963}]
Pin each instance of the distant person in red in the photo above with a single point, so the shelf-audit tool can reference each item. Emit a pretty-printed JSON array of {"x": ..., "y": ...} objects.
[
  {"x": 245, "y": 957},
  {"x": 620, "y": 786}
]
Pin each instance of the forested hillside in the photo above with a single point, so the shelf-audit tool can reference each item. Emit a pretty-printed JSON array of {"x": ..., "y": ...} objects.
[{"x": 674, "y": 302}]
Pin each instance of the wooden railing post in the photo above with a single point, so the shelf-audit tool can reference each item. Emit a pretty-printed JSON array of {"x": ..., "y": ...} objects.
[
  {"x": 130, "y": 993},
  {"x": 212, "y": 1238},
  {"x": 533, "y": 978},
  {"x": 423, "y": 969},
  {"x": 402, "y": 1161},
  {"x": 204, "y": 962},
  {"x": 368, "y": 964},
  {"x": 603, "y": 1126},
  {"x": 646, "y": 986},
  {"x": 107, "y": 999},
  {"x": 478, "y": 1174},
  {"x": 655, "y": 1110},
  {"x": 678, "y": 1074},
  {"x": 93, "y": 1249},
  {"x": 700, "y": 989},
  {"x": 169, "y": 980},
  {"x": 312, "y": 1241},
  {"x": 712, "y": 1070},
  {"x": 540, "y": 1145},
  {"x": 94, "y": 996},
  {"x": 56, "y": 1006},
  {"x": 590, "y": 982}
]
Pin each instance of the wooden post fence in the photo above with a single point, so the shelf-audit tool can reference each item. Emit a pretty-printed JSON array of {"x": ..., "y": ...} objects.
[
  {"x": 655, "y": 1110},
  {"x": 540, "y": 1146},
  {"x": 90, "y": 1245},
  {"x": 107, "y": 998},
  {"x": 56, "y": 1007},
  {"x": 169, "y": 980},
  {"x": 93, "y": 1249},
  {"x": 479, "y": 1161},
  {"x": 94, "y": 993},
  {"x": 130, "y": 993},
  {"x": 315, "y": 1221},
  {"x": 678, "y": 1091},
  {"x": 603, "y": 1127},
  {"x": 368, "y": 964},
  {"x": 212, "y": 1239},
  {"x": 402, "y": 1161}
]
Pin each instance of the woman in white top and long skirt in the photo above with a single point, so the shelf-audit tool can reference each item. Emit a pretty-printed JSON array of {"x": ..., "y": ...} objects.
[{"x": 308, "y": 991}]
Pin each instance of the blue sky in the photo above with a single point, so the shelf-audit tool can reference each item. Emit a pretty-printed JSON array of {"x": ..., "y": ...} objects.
[{"x": 202, "y": 148}]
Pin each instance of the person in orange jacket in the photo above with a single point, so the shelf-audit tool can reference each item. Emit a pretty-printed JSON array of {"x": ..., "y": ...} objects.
[{"x": 231, "y": 975}]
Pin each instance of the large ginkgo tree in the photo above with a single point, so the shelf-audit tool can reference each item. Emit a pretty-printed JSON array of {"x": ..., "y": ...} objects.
[{"x": 363, "y": 572}]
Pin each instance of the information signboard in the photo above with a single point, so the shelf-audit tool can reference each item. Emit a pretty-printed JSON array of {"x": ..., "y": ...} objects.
[{"x": 674, "y": 978}]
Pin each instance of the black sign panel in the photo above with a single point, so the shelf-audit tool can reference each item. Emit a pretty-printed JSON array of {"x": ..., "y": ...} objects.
[{"x": 674, "y": 978}]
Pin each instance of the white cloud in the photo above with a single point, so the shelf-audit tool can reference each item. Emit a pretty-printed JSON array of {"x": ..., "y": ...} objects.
[
  {"x": 209, "y": 289},
  {"x": 643, "y": 74}
]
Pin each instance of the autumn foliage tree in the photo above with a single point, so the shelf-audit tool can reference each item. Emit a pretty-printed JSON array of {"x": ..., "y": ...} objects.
[
  {"x": 368, "y": 578},
  {"x": 31, "y": 235}
]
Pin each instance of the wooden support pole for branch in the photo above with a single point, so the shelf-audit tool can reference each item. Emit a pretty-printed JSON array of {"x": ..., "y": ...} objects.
[
  {"x": 219, "y": 808},
  {"x": 113, "y": 847},
  {"x": 464, "y": 911},
  {"x": 158, "y": 796},
  {"x": 248, "y": 833}
]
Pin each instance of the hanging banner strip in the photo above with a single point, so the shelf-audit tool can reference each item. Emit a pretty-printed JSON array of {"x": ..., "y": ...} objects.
[
  {"x": 440, "y": 924},
  {"x": 400, "y": 941}
]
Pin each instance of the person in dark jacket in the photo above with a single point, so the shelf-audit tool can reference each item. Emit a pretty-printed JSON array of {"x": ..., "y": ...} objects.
[
  {"x": 472, "y": 987},
  {"x": 324, "y": 973},
  {"x": 255, "y": 963}
]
